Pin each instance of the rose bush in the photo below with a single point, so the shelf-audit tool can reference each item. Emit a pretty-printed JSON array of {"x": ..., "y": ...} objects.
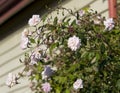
[{"x": 78, "y": 54}]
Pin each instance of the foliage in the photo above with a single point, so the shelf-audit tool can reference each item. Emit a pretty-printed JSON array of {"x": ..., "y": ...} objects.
[{"x": 95, "y": 59}]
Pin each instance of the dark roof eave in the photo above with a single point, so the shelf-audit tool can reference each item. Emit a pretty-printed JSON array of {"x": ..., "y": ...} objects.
[{"x": 10, "y": 12}]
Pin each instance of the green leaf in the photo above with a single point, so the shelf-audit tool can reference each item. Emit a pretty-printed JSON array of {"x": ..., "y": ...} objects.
[
  {"x": 71, "y": 76},
  {"x": 93, "y": 60},
  {"x": 118, "y": 84},
  {"x": 64, "y": 19},
  {"x": 97, "y": 56},
  {"x": 84, "y": 54},
  {"x": 89, "y": 69},
  {"x": 68, "y": 20},
  {"x": 57, "y": 90},
  {"x": 102, "y": 48},
  {"x": 31, "y": 78},
  {"x": 63, "y": 13},
  {"x": 86, "y": 8},
  {"x": 55, "y": 20},
  {"x": 32, "y": 40},
  {"x": 73, "y": 22},
  {"x": 102, "y": 64},
  {"x": 67, "y": 91},
  {"x": 62, "y": 80},
  {"x": 39, "y": 67},
  {"x": 73, "y": 68},
  {"x": 51, "y": 27},
  {"x": 54, "y": 45},
  {"x": 61, "y": 41},
  {"x": 44, "y": 17},
  {"x": 37, "y": 76}
]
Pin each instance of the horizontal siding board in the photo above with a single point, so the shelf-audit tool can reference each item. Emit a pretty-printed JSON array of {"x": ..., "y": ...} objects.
[
  {"x": 8, "y": 57},
  {"x": 8, "y": 43},
  {"x": 8, "y": 47},
  {"x": 101, "y": 7}
]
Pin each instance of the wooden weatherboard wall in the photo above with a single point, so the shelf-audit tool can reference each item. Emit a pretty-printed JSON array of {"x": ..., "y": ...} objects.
[{"x": 10, "y": 33}]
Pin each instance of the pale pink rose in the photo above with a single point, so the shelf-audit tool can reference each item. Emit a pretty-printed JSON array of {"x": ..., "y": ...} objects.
[
  {"x": 78, "y": 84},
  {"x": 81, "y": 13},
  {"x": 24, "y": 39},
  {"x": 37, "y": 54},
  {"x": 33, "y": 60},
  {"x": 46, "y": 87},
  {"x": 74, "y": 43},
  {"x": 24, "y": 42},
  {"x": 25, "y": 33},
  {"x": 109, "y": 24},
  {"x": 29, "y": 73},
  {"x": 35, "y": 57},
  {"x": 11, "y": 80},
  {"x": 34, "y": 20}
]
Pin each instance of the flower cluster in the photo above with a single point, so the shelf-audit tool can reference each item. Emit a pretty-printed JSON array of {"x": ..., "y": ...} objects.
[
  {"x": 34, "y": 20},
  {"x": 109, "y": 24},
  {"x": 11, "y": 80},
  {"x": 78, "y": 84},
  {"x": 74, "y": 43},
  {"x": 46, "y": 87},
  {"x": 71, "y": 55}
]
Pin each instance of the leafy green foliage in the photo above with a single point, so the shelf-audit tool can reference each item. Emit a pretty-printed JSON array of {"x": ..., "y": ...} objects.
[{"x": 96, "y": 62}]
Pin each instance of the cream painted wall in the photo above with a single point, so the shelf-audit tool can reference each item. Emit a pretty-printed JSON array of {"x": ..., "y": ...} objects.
[{"x": 10, "y": 51}]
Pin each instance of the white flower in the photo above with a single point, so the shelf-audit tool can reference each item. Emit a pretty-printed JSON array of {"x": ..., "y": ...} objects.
[
  {"x": 24, "y": 42},
  {"x": 46, "y": 87},
  {"x": 35, "y": 57},
  {"x": 78, "y": 84},
  {"x": 33, "y": 60},
  {"x": 48, "y": 71},
  {"x": 109, "y": 24},
  {"x": 25, "y": 33},
  {"x": 24, "y": 39},
  {"x": 11, "y": 80},
  {"x": 29, "y": 73},
  {"x": 81, "y": 13},
  {"x": 34, "y": 20},
  {"x": 74, "y": 43}
]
